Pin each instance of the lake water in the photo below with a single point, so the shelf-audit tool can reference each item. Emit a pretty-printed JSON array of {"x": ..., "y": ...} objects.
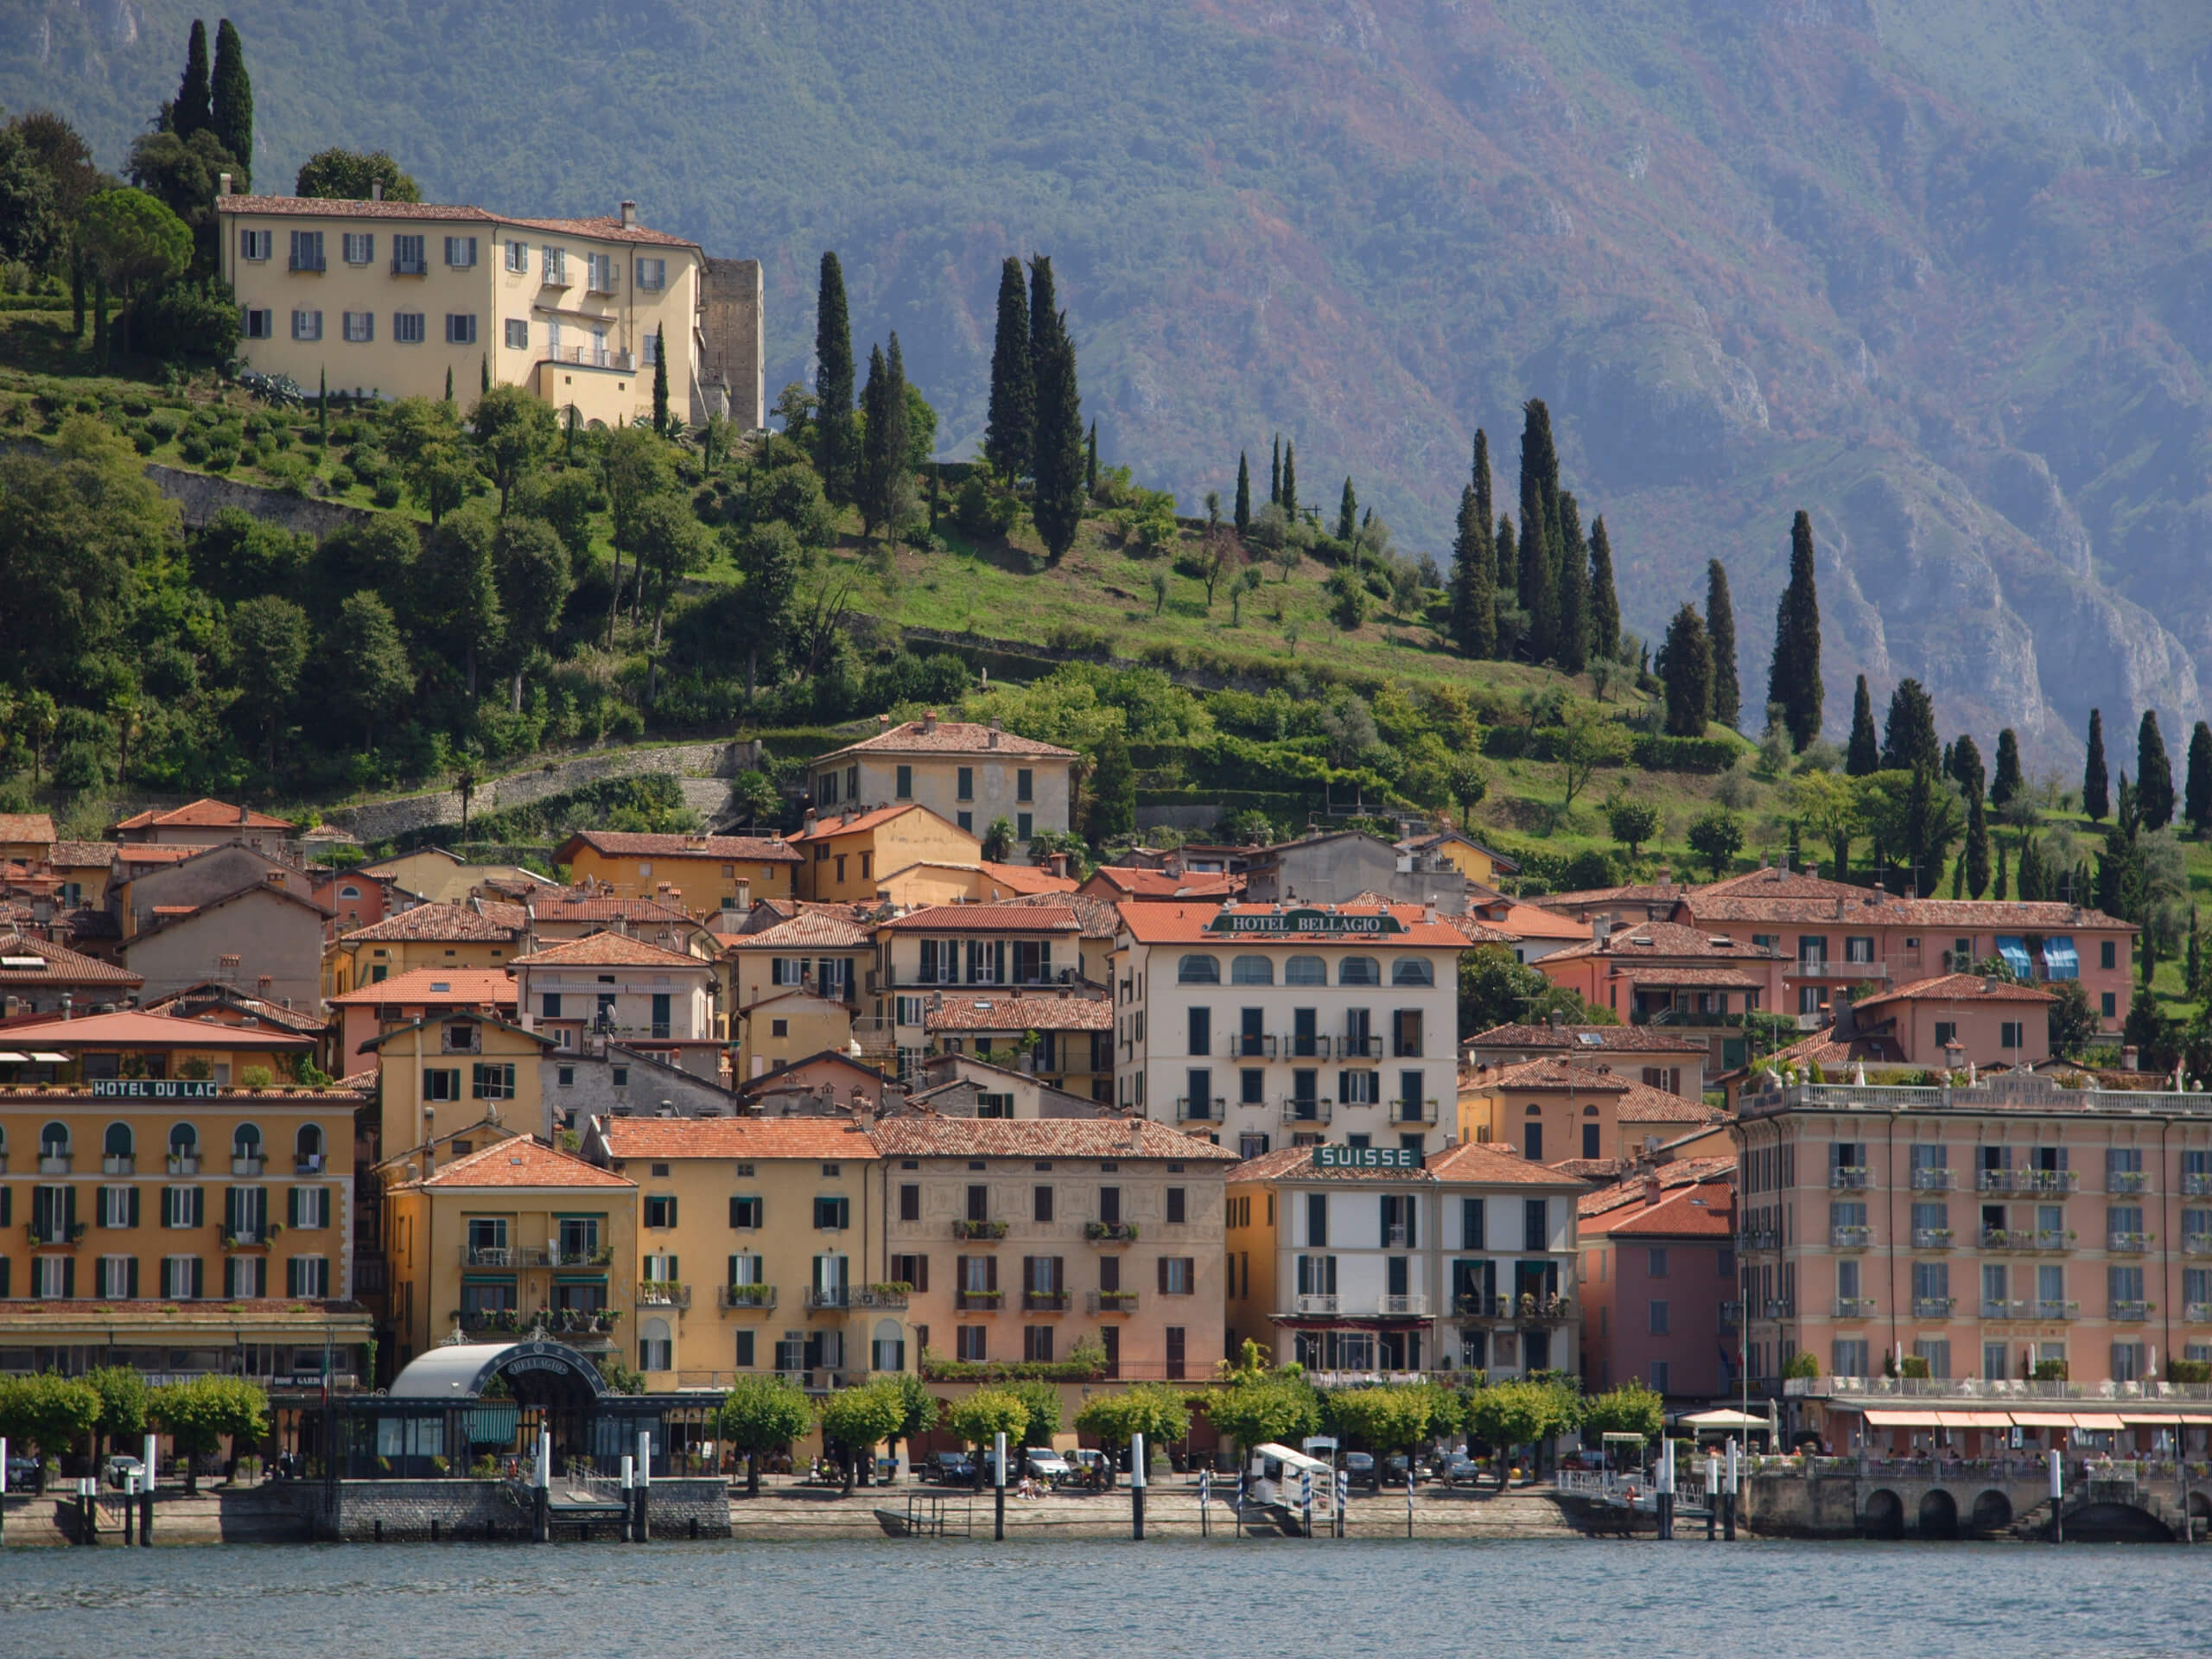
[{"x": 1100, "y": 1601}]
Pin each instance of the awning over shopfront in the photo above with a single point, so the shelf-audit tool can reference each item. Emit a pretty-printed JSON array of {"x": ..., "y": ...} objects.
[
  {"x": 2098, "y": 1422},
  {"x": 1880, "y": 1419},
  {"x": 1974, "y": 1419}
]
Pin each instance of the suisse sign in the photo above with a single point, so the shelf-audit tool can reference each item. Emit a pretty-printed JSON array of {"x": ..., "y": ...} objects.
[
  {"x": 1310, "y": 923},
  {"x": 1330, "y": 1156},
  {"x": 155, "y": 1089}
]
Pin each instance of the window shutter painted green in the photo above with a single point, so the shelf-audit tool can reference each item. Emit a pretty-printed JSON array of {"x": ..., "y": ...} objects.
[
  {"x": 292, "y": 1211},
  {"x": 7, "y": 1212},
  {"x": 134, "y": 1222},
  {"x": 199, "y": 1278},
  {"x": 69, "y": 1208},
  {"x": 198, "y": 1208},
  {"x": 1162, "y": 1265},
  {"x": 68, "y": 1276},
  {"x": 130, "y": 1270}
]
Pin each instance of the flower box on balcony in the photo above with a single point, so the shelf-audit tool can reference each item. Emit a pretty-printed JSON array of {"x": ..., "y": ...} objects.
[
  {"x": 979, "y": 1230},
  {"x": 978, "y": 1299},
  {"x": 1110, "y": 1232}
]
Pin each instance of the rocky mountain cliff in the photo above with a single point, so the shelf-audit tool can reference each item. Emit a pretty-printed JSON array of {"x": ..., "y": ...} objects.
[{"x": 1941, "y": 274}]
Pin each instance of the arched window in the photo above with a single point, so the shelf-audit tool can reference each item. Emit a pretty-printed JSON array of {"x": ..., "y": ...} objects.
[
  {"x": 1359, "y": 971},
  {"x": 349, "y": 892},
  {"x": 1535, "y": 1110},
  {"x": 54, "y": 1141},
  {"x": 1412, "y": 970},
  {"x": 245, "y": 1142},
  {"x": 117, "y": 1143},
  {"x": 306, "y": 1146},
  {"x": 656, "y": 1349},
  {"x": 1589, "y": 1111},
  {"x": 1251, "y": 970},
  {"x": 1198, "y": 970},
  {"x": 184, "y": 1141},
  {"x": 1305, "y": 971}
]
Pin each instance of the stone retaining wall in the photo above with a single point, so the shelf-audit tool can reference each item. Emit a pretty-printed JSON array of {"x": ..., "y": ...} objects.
[
  {"x": 406, "y": 1510},
  {"x": 202, "y": 495}
]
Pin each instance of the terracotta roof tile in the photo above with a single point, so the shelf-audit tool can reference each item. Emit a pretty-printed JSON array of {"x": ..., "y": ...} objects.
[
  {"x": 737, "y": 1137},
  {"x": 27, "y": 826},
  {"x": 1041, "y": 1137},
  {"x": 146, "y": 852},
  {"x": 738, "y": 849},
  {"x": 206, "y": 814},
  {"x": 435, "y": 988},
  {"x": 1177, "y": 924},
  {"x": 1657, "y": 941},
  {"x": 62, "y": 965},
  {"x": 1690, "y": 1213},
  {"x": 1127, "y": 883},
  {"x": 1097, "y": 918},
  {"x": 608, "y": 229},
  {"x": 1583, "y": 1039},
  {"x": 521, "y": 1161},
  {"x": 611, "y": 950},
  {"x": 138, "y": 1029},
  {"x": 834, "y": 824},
  {"x": 1716, "y": 977},
  {"x": 1007, "y": 1013},
  {"x": 81, "y": 854},
  {"x": 947, "y": 737},
  {"x": 808, "y": 929},
  {"x": 460, "y": 924},
  {"x": 1047, "y": 918},
  {"x": 1958, "y": 988}
]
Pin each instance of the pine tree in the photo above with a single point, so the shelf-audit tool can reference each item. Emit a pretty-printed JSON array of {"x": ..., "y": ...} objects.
[
  {"x": 1606, "y": 605},
  {"x": 1474, "y": 568},
  {"x": 1977, "y": 853},
  {"x": 2006, "y": 783},
  {"x": 1908, "y": 739},
  {"x": 1243, "y": 494},
  {"x": 1573, "y": 587},
  {"x": 1090, "y": 461},
  {"x": 660, "y": 380},
  {"x": 1009, "y": 433},
  {"x": 1347, "y": 514},
  {"x": 1964, "y": 763},
  {"x": 2096, "y": 801},
  {"x": 1056, "y": 464},
  {"x": 1720, "y": 625},
  {"x": 834, "y": 456},
  {"x": 1998, "y": 893},
  {"x": 194, "y": 106},
  {"x": 1793, "y": 679},
  {"x": 1275, "y": 470},
  {"x": 1539, "y": 573},
  {"x": 2154, "y": 774},
  {"x": 2197, "y": 803},
  {"x": 1289, "y": 478},
  {"x": 230, "y": 103},
  {"x": 1864, "y": 755},
  {"x": 1686, "y": 669}
]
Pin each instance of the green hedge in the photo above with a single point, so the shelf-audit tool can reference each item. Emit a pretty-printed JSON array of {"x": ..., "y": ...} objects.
[{"x": 1660, "y": 754}]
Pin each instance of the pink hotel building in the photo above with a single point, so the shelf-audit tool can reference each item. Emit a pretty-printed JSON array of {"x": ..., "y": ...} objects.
[{"x": 1987, "y": 1231}]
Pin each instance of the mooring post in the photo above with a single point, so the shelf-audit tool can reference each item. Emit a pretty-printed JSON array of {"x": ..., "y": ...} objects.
[
  {"x": 1734, "y": 1477},
  {"x": 88, "y": 1510},
  {"x": 1711, "y": 1496},
  {"x": 998, "y": 1487},
  {"x": 642, "y": 1531},
  {"x": 1664, "y": 1487},
  {"x": 1306, "y": 1499},
  {"x": 2057, "y": 1496},
  {"x": 146, "y": 1491},
  {"x": 540, "y": 1497},
  {"x": 1337, "y": 1524},
  {"x": 629, "y": 1480},
  {"x": 1205, "y": 1502},
  {"x": 1136, "y": 1487}
]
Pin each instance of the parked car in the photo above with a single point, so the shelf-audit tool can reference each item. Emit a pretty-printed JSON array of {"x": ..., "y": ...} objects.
[
  {"x": 1085, "y": 1462},
  {"x": 23, "y": 1471},
  {"x": 1048, "y": 1466},
  {"x": 117, "y": 1470},
  {"x": 1359, "y": 1468},
  {"x": 1395, "y": 1468},
  {"x": 1460, "y": 1467},
  {"x": 953, "y": 1468}
]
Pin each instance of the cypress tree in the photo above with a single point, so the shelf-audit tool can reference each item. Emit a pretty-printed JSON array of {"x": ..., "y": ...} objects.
[
  {"x": 1573, "y": 587},
  {"x": 1485, "y": 505},
  {"x": 1794, "y": 680},
  {"x": 1090, "y": 461},
  {"x": 2096, "y": 800},
  {"x": 1539, "y": 573},
  {"x": 1056, "y": 464},
  {"x": 1686, "y": 669},
  {"x": 1965, "y": 763},
  {"x": 1720, "y": 625},
  {"x": 833, "y": 384},
  {"x": 660, "y": 380},
  {"x": 2007, "y": 782},
  {"x": 1474, "y": 571},
  {"x": 1289, "y": 478},
  {"x": 1977, "y": 853},
  {"x": 1508, "y": 557},
  {"x": 1243, "y": 494},
  {"x": 1908, "y": 739},
  {"x": 886, "y": 438},
  {"x": 2154, "y": 774},
  {"x": 194, "y": 106},
  {"x": 1347, "y": 514},
  {"x": 2030, "y": 877},
  {"x": 1606, "y": 605},
  {"x": 1864, "y": 754},
  {"x": 483, "y": 376},
  {"x": 1044, "y": 328},
  {"x": 231, "y": 105},
  {"x": 448, "y": 383},
  {"x": 1998, "y": 894},
  {"x": 1275, "y": 470},
  {"x": 1008, "y": 434},
  {"x": 2197, "y": 803}
]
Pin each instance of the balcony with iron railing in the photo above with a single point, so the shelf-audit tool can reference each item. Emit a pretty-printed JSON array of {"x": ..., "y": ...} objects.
[
  {"x": 2129, "y": 1310},
  {"x": 662, "y": 1292},
  {"x": 1931, "y": 1238},
  {"x": 2128, "y": 1243},
  {"x": 1931, "y": 1180},
  {"x": 1850, "y": 1178},
  {"x": 1413, "y": 1111},
  {"x": 985, "y": 1232},
  {"x": 1699, "y": 1018},
  {"x": 1251, "y": 1046},
  {"x": 1762, "y": 1238},
  {"x": 2127, "y": 1180},
  {"x": 1110, "y": 1301},
  {"x": 2001, "y": 1308},
  {"x": 492, "y": 1256},
  {"x": 1934, "y": 1307},
  {"x": 745, "y": 1298},
  {"x": 418, "y": 267},
  {"x": 2197, "y": 1313},
  {"x": 1295, "y": 1110},
  {"x": 2197, "y": 1186},
  {"x": 1312, "y": 1304},
  {"x": 119, "y": 1164},
  {"x": 2196, "y": 1243},
  {"x": 1352, "y": 1047},
  {"x": 1854, "y": 1307},
  {"x": 1304, "y": 1048},
  {"x": 978, "y": 1302},
  {"x": 592, "y": 357},
  {"x": 1110, "y": 1232},
  {"x": 1845, "y": 969},
  {"x": 183, "y": 1163},
  {"x": 1045, "y": 1301},
  {"x": 1779, "y": 1307},
  {"x": 1201, "y": 1109},
  {"x": 1731, "y": 1315},
  {"x": 2027, "y": 1180},
  {"x": 1528, "y": 1309},
  {"x": 2022, "y": 1239},
  {"x": 1851, "y": 1238}
]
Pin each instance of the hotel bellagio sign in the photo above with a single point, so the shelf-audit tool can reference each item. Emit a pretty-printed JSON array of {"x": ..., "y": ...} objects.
[{"x": 1304, "y": 924}]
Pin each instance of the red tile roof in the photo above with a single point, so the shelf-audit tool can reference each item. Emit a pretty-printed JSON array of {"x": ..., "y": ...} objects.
[
  {"x": 1958, "y": 988},
  {"x": 139, "y": 852},
  {"x": 1470, "y": 1162},
  {"x": 521, "y": 1161},
  {"x": 808, "y": 929},
  {"x": 609, "y": 229},
  {"x": 1584, "y": 1039},
  {"x": 1098, "y": 918},
  {"x": 435, "y": 988},
  {"x": 737, "y": 850},
  {"x": 986, "y": 919},
  {"x": 1701, "y": 1212},
  {"x": 1001, "y": 1012},
  {"x": 1659, "y": 941},
  {"x": 27, "y": 826},
  {"x": 471, "y": 923},
  {"x": 1026, "y": 878},
  {"x": 138, "y": 1029},
  {"x": 831, "y": 1138},
  {"x": 62, "y": 966},
  {"x": 211, "y": 999},
  {"x": 1127, "y": 883},
  {"x": 610, "y": 951},
  {"x": 1041, "y": 1137},
  {"x": 934, "y": 736},
  {"x": 829, "y": 826},
  {"x": 205, "y": 814},
  {"x": 1175, "y": 924},
  {"x": 1714, "y": 978},
  {"x": 82, "y": 854},
  {"x": 1678, "y": 1172}
]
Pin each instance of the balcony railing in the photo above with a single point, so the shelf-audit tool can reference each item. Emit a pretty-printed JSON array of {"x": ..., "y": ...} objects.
[
  {"x": 1931, "y": 1180},
  {"x": 1826, "y": 968},
  {"x": 2130, "y": 1309},
  {"x": 878, "y": 1295},
  {"x": 2197, "y": 1313},
  {"x": 1934, "y": 1307},
  {"x": 1731, "y": 1315},
  {"x": 2127, "y": 1181},
  {"x": 2027, "y": 1180},
  {"x": 1305, "y": 1111},
  {"x": 1850, "y": 1238},
  {"x": 1314, "y": 1305},
  {"x": 2060, "y": 1310},
  {"x": 1779, "y": 1308},
  {"x": 978, "y": 1302},
  {"x": 2007, "y": 1238},
  {"x": 248, "y": 1166},
  {"x": 1404, "y": 1306},
  {"x": 1999, "y": 1308},
  {"x": 310, "y": 1165},
  {"x": 1110, "y": 1232},
  {"x": 1851, "y": 1177},
  {"x": 1359, "y": 1048},
  {"x": 2198, "y": 1186},
  {"x": 663, "y": 1294},
  {"x": 1110, "y": 1301},
  {"x": 1245, "y": 1045},
  {"x": 2196, "y": 1243},
  {"x": 491, "y": 1255},
  {"x": 1413, "y": 1111},
  {"x": 1931, "y": 1238},
  {"x": 1203, "y": 1108},
  {"x": 1396, "y": 1237},
  {"x": 184, "y": 1163},
  {"x": 592, "y": 357},
  {"x": 2128, "y": 1243},
  {"x": 979, "y": 1230},
  {"x": 113, "y": 1164},
  {"x": 1045, "y": 1301},
  {"x": 53, "y": 1163},
  {"x": 746, "y": 1296},
  {"x": 572, "y": 1256},
  {"x": 1762, "y": 1239},
  {"x": 1854, "y": 1307},
  {"x": 1526, "y": 1310},
  {"x": 409, "y": 267},
  {"x": 1306, "y": 1048}
]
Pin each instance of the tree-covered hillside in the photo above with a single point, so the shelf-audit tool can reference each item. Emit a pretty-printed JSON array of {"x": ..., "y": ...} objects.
[{"x": 1933, "y": 271}]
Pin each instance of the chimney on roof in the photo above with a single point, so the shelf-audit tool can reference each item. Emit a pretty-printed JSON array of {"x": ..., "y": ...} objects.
[
  {"x": 928, "y": 721},
  {"x": 376, "y": 189},
  {"x": 629, "y": 215},
  {"x": 222, "y": 184},
  {"x": 1988, "y": 985},
  {"x": 1651, "y": 1188},
  {"x": 1601, "y": 930},
  {"x": 2129, "y": 1057},
  {"x": 806, "y": 820},
  {"x": 883, "y": 723}
]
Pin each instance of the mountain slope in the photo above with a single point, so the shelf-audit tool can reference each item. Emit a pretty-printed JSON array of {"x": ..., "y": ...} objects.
[{"x": 1937, "y": 273}]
